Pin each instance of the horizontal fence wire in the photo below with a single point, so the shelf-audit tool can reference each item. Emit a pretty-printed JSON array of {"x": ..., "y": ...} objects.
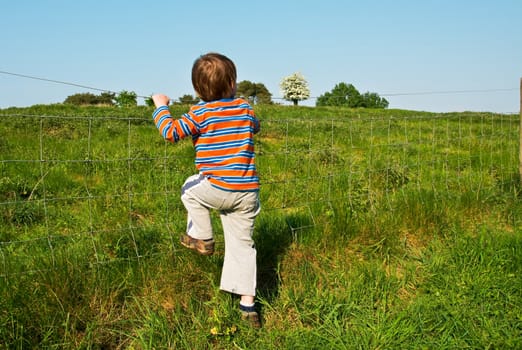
[{"x": 107, "y": 188}]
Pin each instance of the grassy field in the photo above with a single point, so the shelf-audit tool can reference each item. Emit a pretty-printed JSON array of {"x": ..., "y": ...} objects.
[{"x": 380, "y": 229}]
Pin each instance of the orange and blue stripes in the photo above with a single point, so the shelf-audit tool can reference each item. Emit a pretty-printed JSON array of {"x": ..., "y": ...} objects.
[{"x": 222, "y": 132}]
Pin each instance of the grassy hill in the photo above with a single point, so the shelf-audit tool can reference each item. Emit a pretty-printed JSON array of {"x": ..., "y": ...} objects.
[{"x": 381, "y": 229}]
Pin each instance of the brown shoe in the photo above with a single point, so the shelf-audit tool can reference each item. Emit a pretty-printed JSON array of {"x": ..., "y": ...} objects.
[
  {"x": 252, "y": 318},
  {"x": 201, "y": 246}
]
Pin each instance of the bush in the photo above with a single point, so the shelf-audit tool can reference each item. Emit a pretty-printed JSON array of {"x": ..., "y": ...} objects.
[{"x": 105, "y": 98}]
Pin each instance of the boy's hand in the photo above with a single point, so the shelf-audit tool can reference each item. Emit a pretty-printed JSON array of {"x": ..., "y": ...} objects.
[{"x": 160, "y": 100}]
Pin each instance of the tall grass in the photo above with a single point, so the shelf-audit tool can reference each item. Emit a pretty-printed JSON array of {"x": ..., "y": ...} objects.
[{"x": 379, "y": 229}]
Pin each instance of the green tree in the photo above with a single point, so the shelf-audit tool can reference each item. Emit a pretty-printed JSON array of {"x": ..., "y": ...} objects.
[
  {"x": 188, "y": 100},
  {"x": 347, "y": 95},
  {"x": 107, "y": 98},
  {"x": 295, "y": 88},
  {"x": 126, "y": 99},
  {"x": 256, "y": 93},
  {"x": 149, "y": 102},
  {"x": 373, "y": 100},
  {"x": 341, "y": 95},
  {"x": 87, "y": 98}
]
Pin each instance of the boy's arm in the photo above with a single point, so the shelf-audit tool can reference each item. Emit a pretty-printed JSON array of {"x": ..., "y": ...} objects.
[
  {"x": 171, "y": 129},
  {"x": 166, "y": 124}
]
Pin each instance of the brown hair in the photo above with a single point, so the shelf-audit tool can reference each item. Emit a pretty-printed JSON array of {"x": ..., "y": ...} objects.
[{"x": 214, "y": 77}]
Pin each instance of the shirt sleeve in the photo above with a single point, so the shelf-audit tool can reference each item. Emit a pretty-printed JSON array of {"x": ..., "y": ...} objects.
[{"x": 172, "y": 129}]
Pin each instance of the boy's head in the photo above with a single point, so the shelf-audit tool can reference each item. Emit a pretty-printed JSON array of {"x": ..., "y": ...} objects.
[{"x": 214, "y": 77}]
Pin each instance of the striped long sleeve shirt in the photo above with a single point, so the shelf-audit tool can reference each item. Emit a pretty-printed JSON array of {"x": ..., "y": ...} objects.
[{"x": 222, "y": 133}]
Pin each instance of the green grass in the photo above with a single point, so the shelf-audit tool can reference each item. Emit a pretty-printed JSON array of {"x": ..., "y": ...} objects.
[{"x": 380, "y": 229}]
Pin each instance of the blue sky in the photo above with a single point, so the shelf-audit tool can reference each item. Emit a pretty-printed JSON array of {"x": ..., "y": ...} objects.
[{"x": 419, "y": 55}]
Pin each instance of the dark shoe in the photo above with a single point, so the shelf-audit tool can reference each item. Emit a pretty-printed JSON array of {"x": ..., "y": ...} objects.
[
  {"x": 252, "y": 317},
  {"x": 201, "y": 246}
]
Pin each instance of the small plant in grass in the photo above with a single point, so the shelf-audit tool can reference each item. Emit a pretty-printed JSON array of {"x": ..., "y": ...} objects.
[{"x": 221, "y": 316}]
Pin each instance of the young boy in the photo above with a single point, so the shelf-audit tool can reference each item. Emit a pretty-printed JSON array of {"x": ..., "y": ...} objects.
[{"x": 222, "y": 129}]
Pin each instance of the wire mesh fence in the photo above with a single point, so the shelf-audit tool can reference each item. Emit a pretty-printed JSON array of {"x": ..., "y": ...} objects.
[{"x": 102, "y": 189}]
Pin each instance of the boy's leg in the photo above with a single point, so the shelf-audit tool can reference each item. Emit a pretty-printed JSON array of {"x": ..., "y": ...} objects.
[
  {"x": 199, "y": 225},
  {"x": 239, "y": 267}
]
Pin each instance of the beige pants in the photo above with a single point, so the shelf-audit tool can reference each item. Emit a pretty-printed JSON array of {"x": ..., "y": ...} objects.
[{"x": 237, "y": 212}]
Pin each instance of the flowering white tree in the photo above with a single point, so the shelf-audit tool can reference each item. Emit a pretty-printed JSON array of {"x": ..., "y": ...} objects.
[{"x": 295, "y": 88}]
